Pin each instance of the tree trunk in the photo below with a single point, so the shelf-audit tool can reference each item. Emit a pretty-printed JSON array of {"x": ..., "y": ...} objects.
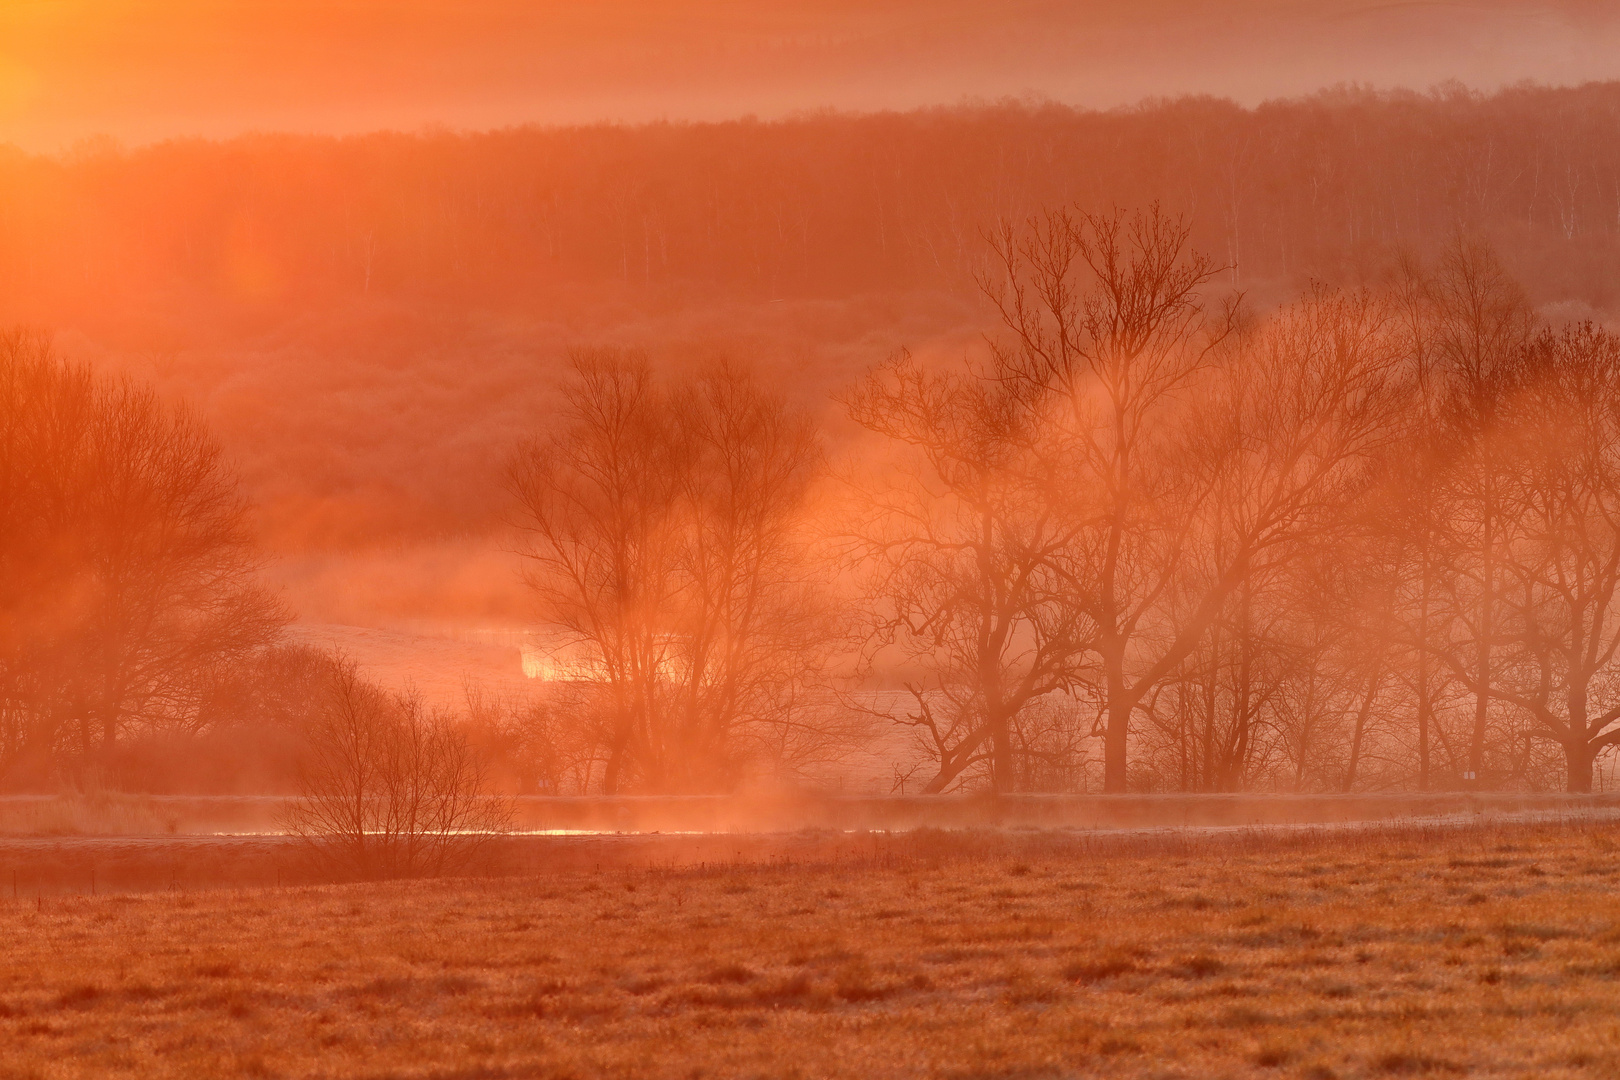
[
  {"x": 610, "y": 774},
  {"x": 1119, "y": 716},
  {"x": 951, "y": 765},
  {"x": 1423, "y": 704},
  {"x": 1211, "y": 690},
  {"x": 1580, "y": 759},
  {"x": 1482, "y": 675},
  {"x": 1361, "y": 727},
  {"x": 1236, "y": 765},
  {"x": 1001, "y": 770}
]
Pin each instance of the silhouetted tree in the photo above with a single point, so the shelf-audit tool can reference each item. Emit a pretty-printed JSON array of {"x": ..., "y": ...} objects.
[
  {"x": 754, "y": 626},
  {"x": 597, "y": 501},
  {"x": 1558, "y": 621},
  {"x": 665, "y": 547},
  {"x": 1482, "y": 323},
  {"x": 957, "y": 532},
  {"x": 127, "y": 574},
  {"x": 1104, "y": 312}
]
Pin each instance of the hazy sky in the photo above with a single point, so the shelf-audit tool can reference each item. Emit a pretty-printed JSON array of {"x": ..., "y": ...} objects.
[{"x": 147, "y": 69}]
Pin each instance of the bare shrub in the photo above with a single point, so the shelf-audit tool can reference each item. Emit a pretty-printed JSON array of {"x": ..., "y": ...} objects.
[{"x": 390, "y": 788}]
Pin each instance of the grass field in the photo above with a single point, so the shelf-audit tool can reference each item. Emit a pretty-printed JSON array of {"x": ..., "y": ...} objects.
[{"x": 1492, "y": 952}]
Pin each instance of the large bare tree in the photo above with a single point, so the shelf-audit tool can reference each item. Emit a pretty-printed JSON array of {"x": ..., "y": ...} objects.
[
  {"x": 1106, "y": 313},
  {"x": 754, "y": 622},
  {"x": 1481, "y": 323},
  {"x": 1201, "y": 456},
  {"x": 959, "y": 527},
  {"x": 1558, "y": 598},
  {"x": 597, "y": 504},
  {"x": 665, "y": 544},
  {"x": 127, "y": 572}
]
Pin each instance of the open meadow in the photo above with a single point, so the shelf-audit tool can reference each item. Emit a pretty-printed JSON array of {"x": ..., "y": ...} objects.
[
  {"x": 705, "y": 540},
  {"x": 1483, "y": 952}
]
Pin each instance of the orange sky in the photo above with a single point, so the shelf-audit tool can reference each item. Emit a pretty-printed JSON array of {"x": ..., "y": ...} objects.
[{"x": 147, "y": 69}]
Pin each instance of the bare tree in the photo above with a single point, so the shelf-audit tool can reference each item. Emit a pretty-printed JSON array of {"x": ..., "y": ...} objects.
[
  {"x": 1279, "y": 450},
  {"x": 1558, "y": 627},
  {"x": 754, "y": 626},
  {"x": 1482, "y": 324},
  {"x": 1204, "y": 458},
  {"x": 1105, "y": 313},
  {"x": 665, "y": 545},
  {"x": 958, "y": 532},
  {"x": 127, "y": 568},
  {"x": 597, "y": 503},
  {"x": 389, "y": 787}
]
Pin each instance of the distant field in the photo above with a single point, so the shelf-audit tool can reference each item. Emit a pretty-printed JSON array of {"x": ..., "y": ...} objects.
[
  {"x": 1484, "y": 952},
  {"x": 132, "y": 815},
  {"x": 82, "y": 845}
]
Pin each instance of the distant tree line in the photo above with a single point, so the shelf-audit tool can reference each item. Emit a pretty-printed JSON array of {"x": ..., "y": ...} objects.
[
  {"x": 1148, "y": 539},
  {"x": 1367, "y": 541},
  {"x": 1371, "y": 540},
  {"x": 1322, "y": 187},
  {"x": 255, "y": 271}
]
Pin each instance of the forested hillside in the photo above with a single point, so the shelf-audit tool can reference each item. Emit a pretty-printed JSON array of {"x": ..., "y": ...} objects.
[
  {"x": 791, "y": 322},
  {"x": 824, "y": 206},
  {"x": 422, "y": 288}
]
